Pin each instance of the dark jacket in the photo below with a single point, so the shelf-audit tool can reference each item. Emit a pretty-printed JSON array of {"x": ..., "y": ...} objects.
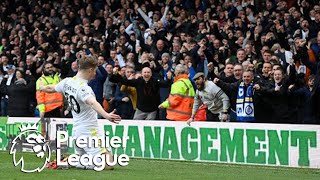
[
  {"x": 97, "y": 83},
  {"x": 19, "y": 101},
  {"x": 262, "y": 103},
  {"x": 124, "y": 109},
  {"x": 198, "y": 63},
  {"x": 315, "y": 94},
  {"x": 278, "y": 101},
  {"x": 3, "y": 86},
  {"x": 148, "y": 98},
  {"x": 304, "y": 108}
]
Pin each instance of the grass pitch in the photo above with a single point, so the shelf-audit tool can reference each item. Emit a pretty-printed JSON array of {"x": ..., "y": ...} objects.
[{"x": 142, "y": 169}]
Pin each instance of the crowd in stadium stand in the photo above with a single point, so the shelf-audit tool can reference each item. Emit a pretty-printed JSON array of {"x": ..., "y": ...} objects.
[{"x": 233, "y": 60}]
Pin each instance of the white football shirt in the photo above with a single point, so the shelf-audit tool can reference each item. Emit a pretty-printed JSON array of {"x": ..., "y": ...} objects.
[{"x": 77, "y": 91}]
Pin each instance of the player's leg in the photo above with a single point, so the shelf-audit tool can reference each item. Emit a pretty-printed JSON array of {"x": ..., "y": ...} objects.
[{"x": 100, "y": 150}]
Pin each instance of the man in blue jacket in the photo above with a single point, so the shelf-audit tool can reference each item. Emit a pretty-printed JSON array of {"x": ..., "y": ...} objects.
[{"x": 97, "y": 83}]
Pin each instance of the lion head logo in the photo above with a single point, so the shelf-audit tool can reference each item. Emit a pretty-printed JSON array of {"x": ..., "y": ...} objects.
[{"x": 38, "y": 144}]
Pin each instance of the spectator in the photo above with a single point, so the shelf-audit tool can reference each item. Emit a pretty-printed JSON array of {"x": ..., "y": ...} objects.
[
  {"x": 242, "y": 93},
  {"x": 97, "y": 83},
  {"x": 8, "y": 80},
  {"x": 303, "y": 91},
  {"x": 4, "y": 64},
  {"x": 4, "y": 45},
  {"x": 156, "y": 17},
  {"x": 129, "y": 89},
  {"x": 227, "y": 74},
  {"x": 211, "y": 95},
  {"x": 278, "y": 97},
  {"x": 202, "y": 56},
  {"x": 315, "y": 68},
  {"x": 49, "y": 105},
  {"x": 30, "y": 66},
  {"x": 109, "y": 89},
  {"x": 180, "y": 100},
  {"x": 237, "y": 71},
  {"x": 122, "y": 99},
  {"x": 18, "y": 92},
  {"x": 74, "y": 69},
  {"x": 263, "y": 105},
  {"x": 147, "y": 91}
]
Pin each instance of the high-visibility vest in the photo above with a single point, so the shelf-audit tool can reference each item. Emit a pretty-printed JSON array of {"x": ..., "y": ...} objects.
[
  {"x": 48, "y": 101},
  {"x": 180, "y": 101}
]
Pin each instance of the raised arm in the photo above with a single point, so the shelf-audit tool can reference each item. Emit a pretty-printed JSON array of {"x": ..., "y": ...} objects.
[
  {"x": 166, "y": 83},
  {"x": 143, "y": 15},
  {"x": 196, "y": 105},
  {"x": 117, "y": 78},
  {"x": 226, "y": 87},
  {"x": 164, "y": 16},
  {"x": 129, "y": 30}
]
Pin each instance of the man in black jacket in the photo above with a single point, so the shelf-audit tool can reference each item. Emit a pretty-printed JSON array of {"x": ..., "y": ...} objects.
[
  {"x": 302, "y": 55},
  {"x": 148, "y": 95},
  {"x": 8, "y": 80},
  {"x": 20, "y": 102}
]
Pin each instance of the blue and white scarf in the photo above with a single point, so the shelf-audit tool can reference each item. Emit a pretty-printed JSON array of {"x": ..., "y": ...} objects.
[{"x": 245, "y": 108}]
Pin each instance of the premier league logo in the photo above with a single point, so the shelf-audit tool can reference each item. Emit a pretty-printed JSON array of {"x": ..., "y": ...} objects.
[{"x": 39, "y": 146}]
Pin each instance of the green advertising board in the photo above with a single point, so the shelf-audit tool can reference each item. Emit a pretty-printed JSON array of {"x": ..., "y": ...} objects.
[{"x": 241, "y": 143}]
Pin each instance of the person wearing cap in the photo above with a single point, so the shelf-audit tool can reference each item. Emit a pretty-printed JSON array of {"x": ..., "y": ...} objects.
[
  {"x": 180, "y": 101},
  {"x": 211, "y": 95}
]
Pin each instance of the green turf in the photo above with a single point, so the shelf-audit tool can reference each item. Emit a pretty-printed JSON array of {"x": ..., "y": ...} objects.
[{"x": 142, "y": 169}]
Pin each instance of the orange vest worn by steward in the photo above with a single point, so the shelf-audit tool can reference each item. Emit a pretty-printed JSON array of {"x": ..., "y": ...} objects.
[
  {"x": 180, "y": 101},
  {"x": 48, "y": 101}
]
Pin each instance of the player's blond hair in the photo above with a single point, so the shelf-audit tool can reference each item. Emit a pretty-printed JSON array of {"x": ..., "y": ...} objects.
[{"x": 87, "y": 62}]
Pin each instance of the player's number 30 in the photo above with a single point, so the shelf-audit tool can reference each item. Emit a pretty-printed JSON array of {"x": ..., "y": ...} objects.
[{"x": 73, "y": 103}]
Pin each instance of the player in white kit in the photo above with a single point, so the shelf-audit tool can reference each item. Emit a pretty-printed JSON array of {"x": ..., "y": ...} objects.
[{"x": 83, "y": 104}]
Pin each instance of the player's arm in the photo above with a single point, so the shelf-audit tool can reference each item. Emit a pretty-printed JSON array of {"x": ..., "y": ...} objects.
[
  {"x": 48, "y": 89},
  {"x": 98, "y": 108},
  {"x": 173, "y": 100},
  {"x": 196, "y": 105}
]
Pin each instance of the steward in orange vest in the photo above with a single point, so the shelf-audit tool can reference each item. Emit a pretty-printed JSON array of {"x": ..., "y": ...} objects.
[
  {"x": 180, "y": 101},
  {"x": 49, "y": 104}
]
